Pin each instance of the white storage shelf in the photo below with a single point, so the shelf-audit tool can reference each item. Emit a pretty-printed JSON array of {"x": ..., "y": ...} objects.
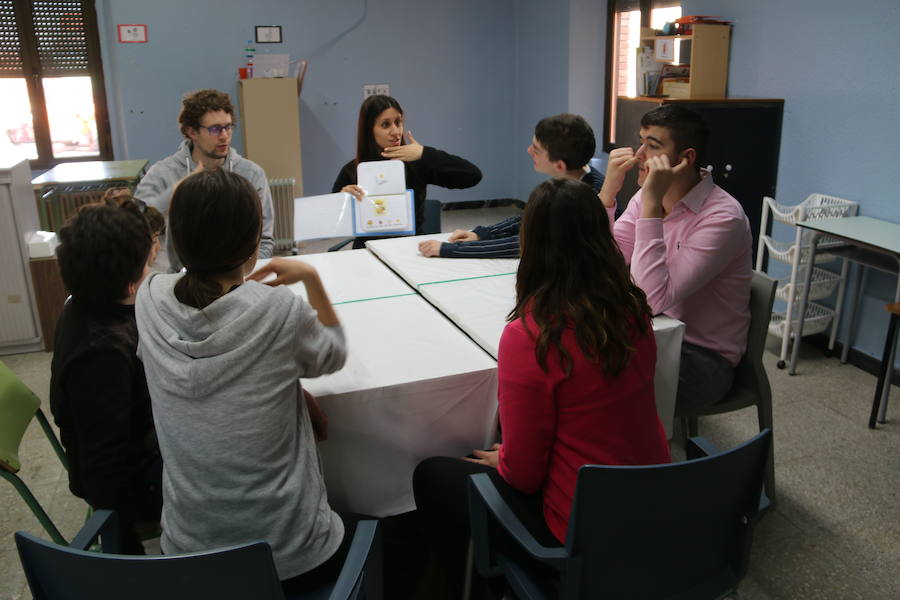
[
  {"x": 785, "y": 251},
  {"x": 817, "y": 320},
  {"x": 796, "y": 254},
  {"x": 822, "y": 285}
]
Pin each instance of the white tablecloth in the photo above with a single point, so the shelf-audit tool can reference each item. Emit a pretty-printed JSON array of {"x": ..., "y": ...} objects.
[
  {"x": 414, "y": 386},
  {"x": 350, "y": 276},
  {"x": 479, "y": 307},
  {"x": 402, "y": 255}
]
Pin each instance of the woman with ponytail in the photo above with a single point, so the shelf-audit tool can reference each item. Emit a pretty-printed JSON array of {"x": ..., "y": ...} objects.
[{"x": 223, "y": 355}]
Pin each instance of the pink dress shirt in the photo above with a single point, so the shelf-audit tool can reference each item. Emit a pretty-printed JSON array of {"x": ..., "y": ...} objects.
[{"x": 694, "y": 265}]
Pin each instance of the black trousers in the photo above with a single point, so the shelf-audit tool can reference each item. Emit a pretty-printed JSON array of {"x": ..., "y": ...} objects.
[
  {"x": 329, "y": 570},
  {"x": 440, "y": 485}
]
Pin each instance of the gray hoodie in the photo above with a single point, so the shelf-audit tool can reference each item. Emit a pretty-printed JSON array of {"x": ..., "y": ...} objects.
[
  {"x": 238, "y": 447},
  {"x": 156, "y": 190}
]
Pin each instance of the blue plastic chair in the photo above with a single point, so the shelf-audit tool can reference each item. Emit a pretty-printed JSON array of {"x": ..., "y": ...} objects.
[
  {"x": 56, "y": 572},
  {"x": 675, "y": 531}
]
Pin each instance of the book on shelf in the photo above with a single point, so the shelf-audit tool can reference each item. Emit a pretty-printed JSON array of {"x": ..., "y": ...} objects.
[{"x": 648, "y": 70}]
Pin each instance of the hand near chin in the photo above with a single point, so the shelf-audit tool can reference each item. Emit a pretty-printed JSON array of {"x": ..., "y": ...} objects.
[
  {"x": 660, "y": 175},
  {"x": 621, "y": 160},
  {"x": 408, "y": 152}
]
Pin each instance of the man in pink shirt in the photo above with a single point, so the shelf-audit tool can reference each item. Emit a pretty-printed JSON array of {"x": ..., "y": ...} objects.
[{"x": 689, "y": 246}]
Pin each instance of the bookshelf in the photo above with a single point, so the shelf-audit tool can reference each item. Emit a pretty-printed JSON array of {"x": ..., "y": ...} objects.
[{"x": 705, "y": 49}]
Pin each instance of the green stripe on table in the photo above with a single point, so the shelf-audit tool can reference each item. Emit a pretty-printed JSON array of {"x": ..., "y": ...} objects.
[
  {"x": 376, "y": 298},
  {"x": 466, "y": 278}
]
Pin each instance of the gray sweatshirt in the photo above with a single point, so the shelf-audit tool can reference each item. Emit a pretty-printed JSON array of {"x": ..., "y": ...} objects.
[
  {"x": 238, "y": 447},
  {"x": 156, "y": 190}
]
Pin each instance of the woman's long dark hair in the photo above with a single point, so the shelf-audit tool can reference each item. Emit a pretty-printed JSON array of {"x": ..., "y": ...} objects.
[
  {"x": 215, "y": 221},
  {"x": 366, "y": 148},
  {"x": 572, "y": 274}
]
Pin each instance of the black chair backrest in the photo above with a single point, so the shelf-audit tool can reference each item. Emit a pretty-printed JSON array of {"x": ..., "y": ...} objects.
[
  {"x": 59, "y": 573},
  {"x": 665, "y": 530}
]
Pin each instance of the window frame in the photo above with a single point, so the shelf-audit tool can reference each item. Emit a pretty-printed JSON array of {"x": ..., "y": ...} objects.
[
  {"x": 32, "y": 73},
  {"x": 612, "y": 8}
]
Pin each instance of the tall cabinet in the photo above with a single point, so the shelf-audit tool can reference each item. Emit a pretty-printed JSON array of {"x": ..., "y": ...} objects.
[
  {"x": 19, "y": 324},
  {"x": 745, "y": 139},
  {"x": 270, "y": 114}
]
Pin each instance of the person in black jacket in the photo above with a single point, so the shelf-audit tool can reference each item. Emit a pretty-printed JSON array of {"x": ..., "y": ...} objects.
[
  {"x": 380, "y": 135},
  {"x": 98, "y": 392}
]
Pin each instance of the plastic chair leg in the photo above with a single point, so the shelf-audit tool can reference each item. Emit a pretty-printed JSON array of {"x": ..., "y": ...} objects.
[{"x": 35, "y": 507}]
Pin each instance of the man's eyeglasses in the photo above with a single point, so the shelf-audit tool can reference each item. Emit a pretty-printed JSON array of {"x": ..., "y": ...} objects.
[{"x": 218, "y": 129}]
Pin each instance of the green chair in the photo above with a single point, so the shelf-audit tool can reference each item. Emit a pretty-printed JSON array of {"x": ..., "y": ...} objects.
[{"x": 18, "y": 406}]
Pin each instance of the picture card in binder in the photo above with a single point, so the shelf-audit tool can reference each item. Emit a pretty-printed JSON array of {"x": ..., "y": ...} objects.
[
  {"x": 388, "y": 207},
  {"x": 384, "y": 214}
]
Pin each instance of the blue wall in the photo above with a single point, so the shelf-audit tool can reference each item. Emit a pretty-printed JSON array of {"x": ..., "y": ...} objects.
[
  {"x": 835, "y": 65},
  {"x": 474, "y": 77},
  {"x": 450, "y": 64}
]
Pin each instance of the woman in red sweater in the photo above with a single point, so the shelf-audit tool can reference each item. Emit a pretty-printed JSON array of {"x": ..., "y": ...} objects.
[{"x": 576, "y": 367}]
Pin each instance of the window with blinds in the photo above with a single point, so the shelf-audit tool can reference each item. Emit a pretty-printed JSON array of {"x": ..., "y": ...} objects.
[{"x": 51, "y": 79}]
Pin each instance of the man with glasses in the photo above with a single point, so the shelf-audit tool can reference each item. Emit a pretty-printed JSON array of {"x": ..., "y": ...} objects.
[{"x": 207, "y": 123}]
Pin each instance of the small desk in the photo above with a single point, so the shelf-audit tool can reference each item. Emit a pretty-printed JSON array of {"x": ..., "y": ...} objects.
[
  {"x": 83, "y": 178},
  {"x": 870, "y": 243},
  {"x": 91, "y": 171}
]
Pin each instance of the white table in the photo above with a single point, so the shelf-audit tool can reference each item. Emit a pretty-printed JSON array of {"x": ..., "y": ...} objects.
[
  {"x": 414, "y": 386},
  {"x": 350, "y": 276},
  {"x": 477, "y": 294},
  {"x": 479, "y": 307},
  {"x": 402, "y": 255}
]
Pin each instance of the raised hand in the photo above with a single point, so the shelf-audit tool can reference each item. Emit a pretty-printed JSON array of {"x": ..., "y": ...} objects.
[
  {"x": 621, "y": 160},
  {"x": 408, "y": 152},
  {"x": 286, "y": 272}
]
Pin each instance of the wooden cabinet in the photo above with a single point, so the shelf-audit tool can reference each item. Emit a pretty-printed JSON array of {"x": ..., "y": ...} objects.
[
  {"x": 270, "y": 116},
  {"x": 50, "y": 295},
  {"x": 745, "y": 139},
  {"x": 706, "y": 51}
]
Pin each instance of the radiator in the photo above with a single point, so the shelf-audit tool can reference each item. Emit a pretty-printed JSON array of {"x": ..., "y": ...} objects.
[
  {"x": 283, "y": 204},
  {"x": 57, "y": 203}
]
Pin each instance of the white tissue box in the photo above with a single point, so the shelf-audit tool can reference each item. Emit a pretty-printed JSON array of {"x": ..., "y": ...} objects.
[{"x": 42, "y": 244}]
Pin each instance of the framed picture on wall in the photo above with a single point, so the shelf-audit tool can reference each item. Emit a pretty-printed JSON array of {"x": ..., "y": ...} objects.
[{"x": 268, "y": 34}]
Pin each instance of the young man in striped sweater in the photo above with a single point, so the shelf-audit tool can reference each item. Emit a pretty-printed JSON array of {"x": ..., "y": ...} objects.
[{"x": 561, "y": 147}]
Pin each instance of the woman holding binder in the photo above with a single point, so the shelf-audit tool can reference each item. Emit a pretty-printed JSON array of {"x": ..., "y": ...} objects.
[{"x": 381, "y": 136}]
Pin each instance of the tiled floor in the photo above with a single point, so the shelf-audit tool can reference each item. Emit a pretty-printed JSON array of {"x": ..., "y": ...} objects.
[{"x": 835, "y": 532}]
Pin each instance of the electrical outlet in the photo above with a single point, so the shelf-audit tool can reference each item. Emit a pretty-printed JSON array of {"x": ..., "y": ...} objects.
[{"x": 375, "y": 89}]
